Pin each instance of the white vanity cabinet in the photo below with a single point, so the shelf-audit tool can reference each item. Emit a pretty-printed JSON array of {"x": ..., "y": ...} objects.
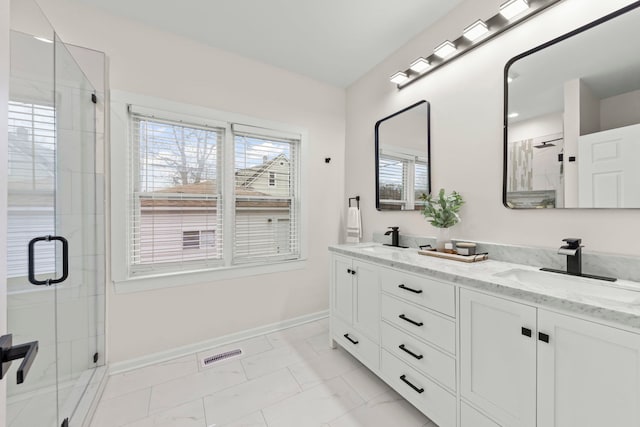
[
  {"x": 355, "y": 308},
  {"x": 471, "y": 358},
  {"x": 529, "y": 367}
]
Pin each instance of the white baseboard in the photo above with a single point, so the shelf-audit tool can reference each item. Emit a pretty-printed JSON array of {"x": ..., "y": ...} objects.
[{"x": 163, "y": 356}]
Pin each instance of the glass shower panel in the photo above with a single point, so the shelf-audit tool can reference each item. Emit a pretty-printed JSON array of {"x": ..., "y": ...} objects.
[{"x": 76, "y": 220}]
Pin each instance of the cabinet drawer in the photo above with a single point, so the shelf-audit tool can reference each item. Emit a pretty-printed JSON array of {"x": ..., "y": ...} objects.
[
  {"x": 469, "y": 417},
  {"x": 356, "y": 343},
  {"x": 421, "y": 356},
  {"x": 418, "y": 321},
  {"x": 431, "y": 399},
  {"x": 438, "y": 296}
]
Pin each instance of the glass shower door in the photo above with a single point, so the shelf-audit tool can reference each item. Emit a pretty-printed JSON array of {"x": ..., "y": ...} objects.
[
  {"x": 31, "y": 310},
  {"x": 52, "y": 199}
]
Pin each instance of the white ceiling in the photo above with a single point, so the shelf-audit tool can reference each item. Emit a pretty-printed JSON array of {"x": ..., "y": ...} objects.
[{"x": 334, "y": 41}]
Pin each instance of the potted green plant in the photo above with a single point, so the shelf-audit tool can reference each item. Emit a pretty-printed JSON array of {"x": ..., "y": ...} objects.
[{"x": 442, "y": 213}]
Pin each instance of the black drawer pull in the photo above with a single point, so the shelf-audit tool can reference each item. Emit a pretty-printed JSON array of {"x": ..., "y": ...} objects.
[
  {"x": 543, "y": 337},
  {"x": 406, "y": 350},
  {"x": 415, "y": 291},
  {"x": 406, "y": 381},
  {"x": 413, "y": 322},
  {"x": 350, "y": 339},
  {"x": 526, "y": 332},
  {"x": 349, "y": 270}
]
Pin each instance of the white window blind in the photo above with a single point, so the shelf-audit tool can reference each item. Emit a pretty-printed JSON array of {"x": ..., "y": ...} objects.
[
  {"x": 176, "y": 195},
  {"x": 401, "y": 180},
  {"x": 266, "y": 201},
  {"x": 31, "y": 184}
]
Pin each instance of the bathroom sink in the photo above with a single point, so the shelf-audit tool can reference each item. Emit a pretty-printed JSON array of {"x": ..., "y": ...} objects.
[
  {"x": 574, "y": 285},
  {"x": 379, "y": 249}
]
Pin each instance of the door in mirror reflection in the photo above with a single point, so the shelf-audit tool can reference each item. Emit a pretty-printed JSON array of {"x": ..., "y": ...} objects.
[
  {"x": 402, "y": 158},
  {"x": 572, "y": 119}
]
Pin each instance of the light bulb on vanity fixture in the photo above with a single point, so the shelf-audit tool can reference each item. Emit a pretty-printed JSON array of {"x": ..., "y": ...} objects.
[
  {"x": 420, "y": 65},
  {"x": 445, "y": 50},
  {"x": 399, "y": 78},
  {"x": 476, "y": 30},
  {"x": 513, "y": 8}
]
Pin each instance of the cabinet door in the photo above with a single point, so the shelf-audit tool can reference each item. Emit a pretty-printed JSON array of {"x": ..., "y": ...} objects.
[
  {"x": 367, "y": 293},
  {"x": 497, "y": 358},
  {"x": 588, "y": 374},
  {"x": 342, "y": 298}
]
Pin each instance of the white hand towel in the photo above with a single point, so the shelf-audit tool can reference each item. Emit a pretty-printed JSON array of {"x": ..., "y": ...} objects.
[{"x": 354, "y": 225}]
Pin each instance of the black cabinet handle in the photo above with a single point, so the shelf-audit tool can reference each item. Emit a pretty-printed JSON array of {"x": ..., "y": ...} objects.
[
  {"x": 407, "y": 382},
  {"x": 543, "y": 337},
  {"x": 406, "y": 350},
  {"x": 8, "y": 352},
  {"x": 526, "y": 332},
  {"x": 413, "y": 322},
  {"x": 65, "y": 261},
  {"x": 353, "y": 272},
  {"x": 415, "y": 291},
  {"x": 349, "y": 270},
  {"x": 350, "y": 339}
]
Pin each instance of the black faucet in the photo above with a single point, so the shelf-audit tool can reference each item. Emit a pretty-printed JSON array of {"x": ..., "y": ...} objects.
[
  {"x": 573, "y": 251},
  {"x": 395, "y": 236}
]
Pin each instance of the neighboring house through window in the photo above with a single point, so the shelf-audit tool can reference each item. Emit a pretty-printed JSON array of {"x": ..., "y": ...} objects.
[{"x": 181, "y": 187}]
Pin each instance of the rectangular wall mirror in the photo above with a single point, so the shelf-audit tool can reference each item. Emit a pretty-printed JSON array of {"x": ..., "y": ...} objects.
[
  {"x": 403, "y": 167},
  {"x": 572, "y": 118}
]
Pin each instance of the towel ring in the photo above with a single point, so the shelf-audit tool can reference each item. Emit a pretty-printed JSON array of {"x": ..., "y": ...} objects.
[{"x": 357, "y": 199}]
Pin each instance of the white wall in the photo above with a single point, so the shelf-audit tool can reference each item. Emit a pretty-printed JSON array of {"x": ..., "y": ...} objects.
[
  {"x": 466, "y": 99},
  {"x": 149, "y": 62},
  {"x": 620, "y": 110},
  {"x": 4, "y": 134}
]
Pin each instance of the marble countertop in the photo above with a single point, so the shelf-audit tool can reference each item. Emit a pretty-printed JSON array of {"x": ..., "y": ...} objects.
[{"x": 616, "y": 302}]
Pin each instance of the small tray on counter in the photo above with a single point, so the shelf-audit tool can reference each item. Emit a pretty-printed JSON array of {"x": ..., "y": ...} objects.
[{"x": 455, "y": 257}]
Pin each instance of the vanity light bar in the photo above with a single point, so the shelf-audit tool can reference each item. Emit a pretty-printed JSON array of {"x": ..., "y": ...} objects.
[{"x": 511, "y": 13}]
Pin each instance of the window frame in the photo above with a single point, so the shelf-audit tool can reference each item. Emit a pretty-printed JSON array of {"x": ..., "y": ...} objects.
[{"x": 121, "y": 187}]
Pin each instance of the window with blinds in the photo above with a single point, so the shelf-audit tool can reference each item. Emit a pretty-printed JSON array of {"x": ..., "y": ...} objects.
[
  {"x": 402, "y": 179},
  {"x": 176, "y": 220},
  {"x": 31, "y": 184},
  {"x": 266, "y": 195}
]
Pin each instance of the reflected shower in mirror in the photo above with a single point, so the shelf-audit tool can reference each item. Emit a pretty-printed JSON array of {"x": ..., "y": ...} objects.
[
  {"x": 572, "y": 119},
  {"x": 402, "y": 158}
]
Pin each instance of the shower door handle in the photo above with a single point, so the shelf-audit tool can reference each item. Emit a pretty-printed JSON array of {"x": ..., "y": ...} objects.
[
  {"x": 9, "y": 352},
  {"x": 65, "y": 261}
]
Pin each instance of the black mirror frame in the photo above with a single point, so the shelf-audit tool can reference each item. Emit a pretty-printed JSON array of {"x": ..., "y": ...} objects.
[
  {"x": 563, "y": 37},
  {"x": 377, "y": 146}
]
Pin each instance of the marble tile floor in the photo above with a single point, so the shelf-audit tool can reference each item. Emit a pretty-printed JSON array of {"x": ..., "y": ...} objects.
[{"x": 289, "y": 378}]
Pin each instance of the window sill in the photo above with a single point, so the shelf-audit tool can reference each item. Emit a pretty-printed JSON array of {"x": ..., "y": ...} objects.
[{"x": 171, "y": 280}]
